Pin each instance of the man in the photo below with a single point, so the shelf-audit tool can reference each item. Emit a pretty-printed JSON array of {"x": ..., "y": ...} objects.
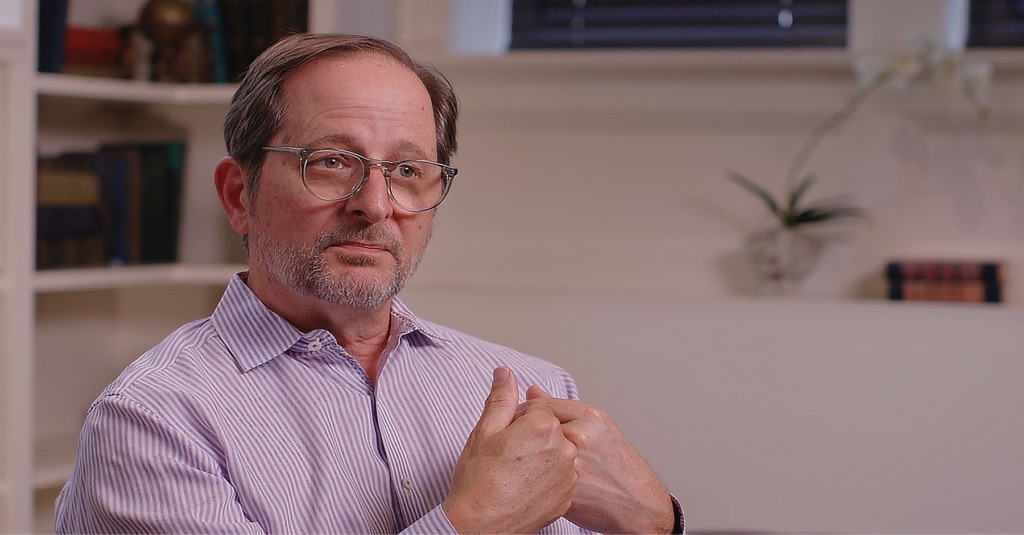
[{"x": 313, "y": 400}]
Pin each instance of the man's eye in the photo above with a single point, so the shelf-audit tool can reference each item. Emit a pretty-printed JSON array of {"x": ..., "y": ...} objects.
[
  {"x": 406, "y": 171},
  {"x": 332, "y": 162}
]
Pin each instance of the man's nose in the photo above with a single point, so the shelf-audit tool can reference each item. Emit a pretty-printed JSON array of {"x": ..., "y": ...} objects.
[{"x": 372, "y": 202}]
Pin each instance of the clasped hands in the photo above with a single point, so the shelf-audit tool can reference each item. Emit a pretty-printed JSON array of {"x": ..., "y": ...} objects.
[{"x": 525, "y": 465}]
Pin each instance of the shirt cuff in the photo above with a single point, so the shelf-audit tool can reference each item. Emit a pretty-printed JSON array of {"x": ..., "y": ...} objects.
[
  {"x": 679, "y": 528},
  {"x": 434, "y": 522}
]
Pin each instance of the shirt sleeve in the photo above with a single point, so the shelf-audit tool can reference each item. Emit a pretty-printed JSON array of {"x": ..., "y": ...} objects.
[{"x": 136, "y": 474}]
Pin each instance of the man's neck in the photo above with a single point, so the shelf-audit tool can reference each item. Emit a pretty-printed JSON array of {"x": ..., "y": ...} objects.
[{"x": 363, "y": 332}]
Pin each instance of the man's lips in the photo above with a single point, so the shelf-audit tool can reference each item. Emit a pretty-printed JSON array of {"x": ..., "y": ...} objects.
[{"x": 362, "y": 246}]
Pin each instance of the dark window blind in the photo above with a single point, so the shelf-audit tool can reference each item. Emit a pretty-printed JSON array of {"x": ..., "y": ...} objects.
[
  {"x": 678, "y": 23},
  {"x": 996, "y": 23}
]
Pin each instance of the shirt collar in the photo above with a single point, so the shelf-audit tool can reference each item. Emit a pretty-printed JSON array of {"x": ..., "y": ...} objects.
[{"x": 255, "y": 335}]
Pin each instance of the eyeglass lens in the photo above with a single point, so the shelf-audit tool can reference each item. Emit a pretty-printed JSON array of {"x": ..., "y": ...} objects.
[{"x": 334, "y": 175}]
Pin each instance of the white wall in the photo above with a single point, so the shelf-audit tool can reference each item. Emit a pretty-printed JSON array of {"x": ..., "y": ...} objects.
[
  {"x": 791, "y": 416},
  {"x": 591, "y": 224}
]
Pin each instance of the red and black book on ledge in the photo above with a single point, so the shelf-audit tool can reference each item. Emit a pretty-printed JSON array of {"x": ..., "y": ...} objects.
[{"x": 972, "y": 281}]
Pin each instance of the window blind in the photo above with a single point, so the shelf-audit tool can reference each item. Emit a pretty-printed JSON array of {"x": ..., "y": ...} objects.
[
  {"x": 996, "y": 23},
  {"x": 678, "y": 23}
]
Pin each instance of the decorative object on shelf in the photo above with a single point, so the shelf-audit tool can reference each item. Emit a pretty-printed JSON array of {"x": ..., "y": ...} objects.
[
  {"x": 179, "y": 41},
  {"x": 784, "y": 254},
  {"x": 967, "y": 281}
]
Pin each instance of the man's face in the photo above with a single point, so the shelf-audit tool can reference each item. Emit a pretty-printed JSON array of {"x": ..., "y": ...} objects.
[{"x": 358, "y": 252}]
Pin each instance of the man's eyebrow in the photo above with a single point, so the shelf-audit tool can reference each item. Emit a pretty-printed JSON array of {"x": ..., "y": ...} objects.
[
  {"x": 405, "y": 150},
  {"x": 333, "y": 141}
]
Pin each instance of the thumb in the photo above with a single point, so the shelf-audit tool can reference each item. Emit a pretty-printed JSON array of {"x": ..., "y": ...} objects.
[{"x": 500, "y": 405}]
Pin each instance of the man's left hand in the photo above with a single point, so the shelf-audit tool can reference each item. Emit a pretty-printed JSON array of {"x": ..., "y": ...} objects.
[{"x": 617, "y": 491}]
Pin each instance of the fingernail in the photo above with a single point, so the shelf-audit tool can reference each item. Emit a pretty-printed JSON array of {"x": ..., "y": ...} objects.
[{"x": 500, "y": 375}]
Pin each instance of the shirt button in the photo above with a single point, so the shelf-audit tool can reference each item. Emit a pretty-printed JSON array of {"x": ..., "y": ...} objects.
[
  {"x": 406, "y": 483},
  {"x": 315, "y": 345}
]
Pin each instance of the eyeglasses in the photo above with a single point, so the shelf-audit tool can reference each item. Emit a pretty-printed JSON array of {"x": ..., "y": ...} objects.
[{"x": 336, "y": 175}]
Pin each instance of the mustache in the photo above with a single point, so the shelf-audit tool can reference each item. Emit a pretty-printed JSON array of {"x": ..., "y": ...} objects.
[{"x": 367, "y": 234}]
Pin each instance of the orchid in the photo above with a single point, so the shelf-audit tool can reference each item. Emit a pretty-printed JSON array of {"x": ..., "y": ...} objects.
[{"x": 945, "y": 67}]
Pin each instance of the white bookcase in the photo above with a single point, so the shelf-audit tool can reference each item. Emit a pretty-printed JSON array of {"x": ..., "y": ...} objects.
[{"x": 65, "y": 334}]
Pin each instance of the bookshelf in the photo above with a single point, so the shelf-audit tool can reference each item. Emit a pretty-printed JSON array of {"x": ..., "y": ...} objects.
[
  {"x": 86, "y": 324},
  {"x": 112, "y": 297}
]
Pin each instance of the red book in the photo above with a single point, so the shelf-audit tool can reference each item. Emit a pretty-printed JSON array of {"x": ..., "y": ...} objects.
[{"x": 97, "y": 46}]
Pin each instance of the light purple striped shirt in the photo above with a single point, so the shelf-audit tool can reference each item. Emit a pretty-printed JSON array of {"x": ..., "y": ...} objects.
[{"x": 240, "y": 423}]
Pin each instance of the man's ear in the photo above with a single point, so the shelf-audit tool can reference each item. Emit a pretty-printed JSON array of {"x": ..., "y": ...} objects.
[{"x": 233, "y": 193}]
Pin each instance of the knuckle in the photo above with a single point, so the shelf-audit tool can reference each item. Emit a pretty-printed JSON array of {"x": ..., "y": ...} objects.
[
  {"x": 591, "y": 412},
  {"x": 579, "y": 437}
]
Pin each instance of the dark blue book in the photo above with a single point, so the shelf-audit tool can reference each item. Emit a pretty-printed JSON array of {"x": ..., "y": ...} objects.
[
  {"x": 208, "y": 12},
  {"x": 118, "y": 169},
  {"x": 161, "y": 167},
  {"x": 69, "y": 236},
  {"x": 53, "y": 16}
]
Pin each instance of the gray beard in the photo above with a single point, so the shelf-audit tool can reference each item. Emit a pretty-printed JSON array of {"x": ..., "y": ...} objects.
[{"x": 307, "y": 270}]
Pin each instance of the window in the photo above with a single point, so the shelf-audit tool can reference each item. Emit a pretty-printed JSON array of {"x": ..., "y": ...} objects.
[
  {"x": 678, "y": 23},
  {"x": 996, "y": 23}
]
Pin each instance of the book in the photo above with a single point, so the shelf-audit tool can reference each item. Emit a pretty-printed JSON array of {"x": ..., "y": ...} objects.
[
  {"x": 208, "y": 13},
  {"x": 161, "y": 167},
  {"x": 52, "y": 23},
  {"x": 967, "y": 291},
  {"x": 944, "y": 269},
  {"x": 288, "y": 17},
  {"x": 118, "y": 169},
  {"x": 975, "y": 281},
  {"x": 94, "y": 52},
  {"x": 69, "y": 214},
  {"x": 251, "y": 26},
  {"x": 236, "y": 37},
  {"x": 68, "y": 236},
  {"x": 142, "y": 184}
]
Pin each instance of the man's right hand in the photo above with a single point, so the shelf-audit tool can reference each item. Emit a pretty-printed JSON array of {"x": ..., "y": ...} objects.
[{"x": 513, "y": 476}]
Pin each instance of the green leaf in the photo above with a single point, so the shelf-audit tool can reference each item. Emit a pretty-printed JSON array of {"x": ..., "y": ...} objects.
[
  {"x": 799, "y": 191},
  {"x": 752, "y": 187},
  {"x": 819, "y": 213}
]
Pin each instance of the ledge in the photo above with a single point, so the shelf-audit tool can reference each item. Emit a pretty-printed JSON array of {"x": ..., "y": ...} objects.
[
  {"x": 754, "y": 62},
  {"x": 103, "y": 278},
  {"x": 111, "y": 89}
]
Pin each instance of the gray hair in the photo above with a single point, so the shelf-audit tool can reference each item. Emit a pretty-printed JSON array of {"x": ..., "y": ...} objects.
[{"x": 258, "y": 108}]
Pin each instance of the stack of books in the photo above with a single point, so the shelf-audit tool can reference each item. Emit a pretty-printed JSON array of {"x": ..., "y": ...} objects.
[
  {"x": 969, "y": 281},
  {"x": 69, "y": 212},
  {"x": 117, "y": 206}
]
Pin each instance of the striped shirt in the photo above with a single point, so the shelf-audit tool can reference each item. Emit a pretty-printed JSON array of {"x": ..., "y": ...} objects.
[{"x": 241, "y": 423}]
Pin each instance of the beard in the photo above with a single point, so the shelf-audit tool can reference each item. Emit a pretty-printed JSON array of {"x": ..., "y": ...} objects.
[{"x": 307, "y": 269}]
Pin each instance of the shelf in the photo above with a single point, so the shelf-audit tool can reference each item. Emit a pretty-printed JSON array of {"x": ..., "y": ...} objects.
[
  {"x": 110, "y": 278},
  {"x": 116, "y": 90}
]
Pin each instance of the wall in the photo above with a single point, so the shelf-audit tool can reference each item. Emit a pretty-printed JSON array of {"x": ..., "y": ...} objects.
[
  {"x": 591, "y": 224},
  {"x": 790, "y": 416}
]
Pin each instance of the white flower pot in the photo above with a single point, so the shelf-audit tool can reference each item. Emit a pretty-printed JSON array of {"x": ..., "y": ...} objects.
[{"x": 783, "y": 257}]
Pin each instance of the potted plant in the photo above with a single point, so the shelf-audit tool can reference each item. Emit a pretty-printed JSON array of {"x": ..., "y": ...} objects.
[{"x": 785, "y": 253}]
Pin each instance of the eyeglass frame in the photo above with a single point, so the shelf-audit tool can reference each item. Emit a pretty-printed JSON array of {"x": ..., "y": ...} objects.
[{"x": 447, "y": 173}]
